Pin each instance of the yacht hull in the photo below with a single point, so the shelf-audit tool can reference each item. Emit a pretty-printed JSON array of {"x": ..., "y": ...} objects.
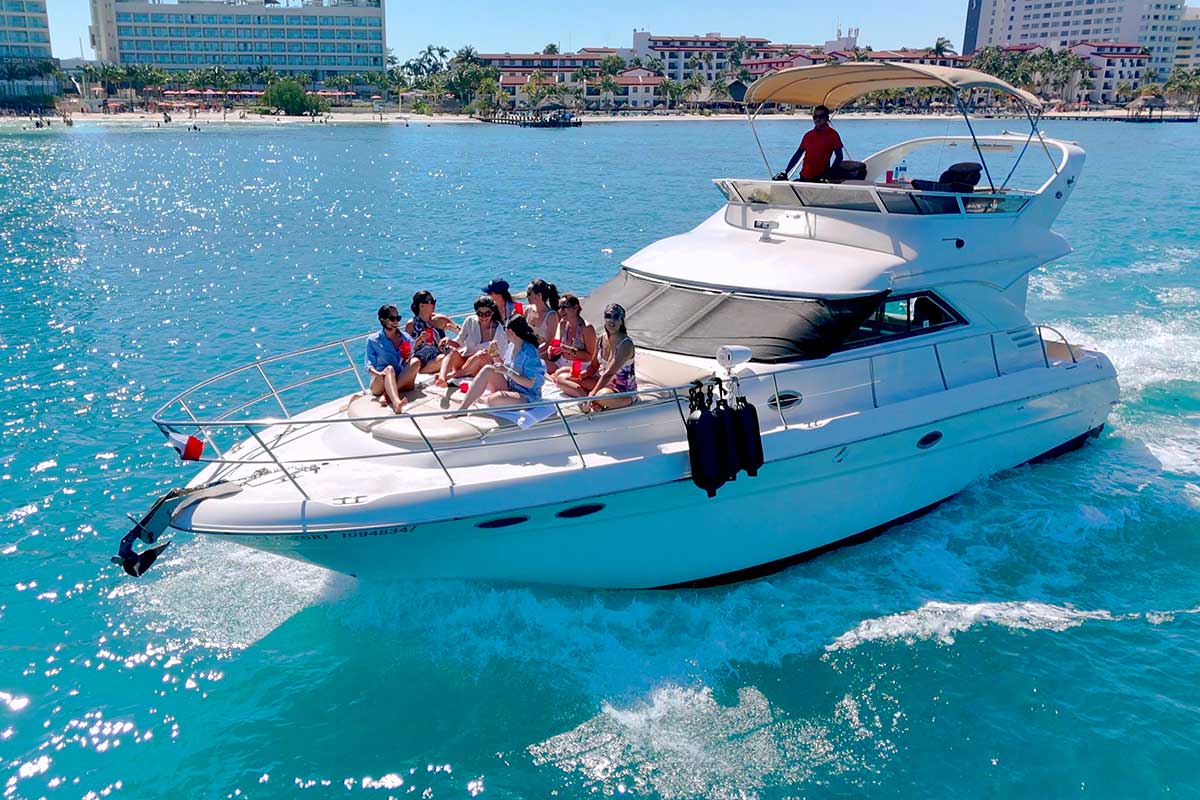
[{"x": 670, "y": 534}]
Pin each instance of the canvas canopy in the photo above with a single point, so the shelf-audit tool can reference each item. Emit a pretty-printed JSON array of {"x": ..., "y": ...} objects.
[{"x": 834, "y": 85}]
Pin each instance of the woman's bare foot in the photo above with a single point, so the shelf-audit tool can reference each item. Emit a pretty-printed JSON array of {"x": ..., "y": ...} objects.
[
  {"x": 383, "y": 401},
  {"x": 439, "y": 382},
  {"x": 399, "y": 407}
]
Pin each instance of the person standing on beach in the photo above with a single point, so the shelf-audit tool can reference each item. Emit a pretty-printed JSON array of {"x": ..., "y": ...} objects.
[{"x": 817, "y": 146}]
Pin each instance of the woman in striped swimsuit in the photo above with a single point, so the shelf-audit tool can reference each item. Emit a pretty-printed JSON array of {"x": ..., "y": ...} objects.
[{"x": 617, "y": 370}]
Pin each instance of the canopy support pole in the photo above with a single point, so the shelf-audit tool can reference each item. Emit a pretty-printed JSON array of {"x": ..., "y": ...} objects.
[
  {"x": 750, "y": 117},
  {"x": 963, "y": 110},
  {"x": 1033, "y": 124}
]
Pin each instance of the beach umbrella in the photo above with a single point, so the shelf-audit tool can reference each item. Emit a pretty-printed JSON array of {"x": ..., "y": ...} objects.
[{"x": 376, "y": 97}]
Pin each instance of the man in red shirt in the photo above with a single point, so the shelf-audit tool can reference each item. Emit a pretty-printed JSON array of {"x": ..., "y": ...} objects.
[{"x": 817, "y": 146}]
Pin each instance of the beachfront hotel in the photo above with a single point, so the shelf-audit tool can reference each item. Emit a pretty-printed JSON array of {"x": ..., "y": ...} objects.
[
  {"x": 320, "y": 37},
  {"x": 1187, "y": 49},
  {"x": 24, "y": 30},
  {"x": 708, "y": 55},
  {"x": 1061, "y": 23}
]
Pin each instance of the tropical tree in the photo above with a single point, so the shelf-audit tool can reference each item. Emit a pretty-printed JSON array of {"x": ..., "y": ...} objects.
[
  {"x": 611, "y": 65},
  {"x": 466, "y": 55},
  {"x": 942, "y": 47},
  {"x": 489, "y": 95},
  {"x": 608, "y": 88},
  {"x": 718, "y": 90},
  {"x": 740, "y": 51},
  {"x": 289, "y": 96},
  {"x": 550, "y": 50},
  {"x": 693, "y": 87},
  {"x": 655, "y": 65},
  {"x": 1122, "y": 90},
  {"x": 1182, "y": 86}
]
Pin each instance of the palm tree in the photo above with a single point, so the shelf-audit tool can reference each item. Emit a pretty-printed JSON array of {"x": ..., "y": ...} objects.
[
  {"x": 581, "y": 77},
  {"x": 550, "y": 49},
  {"x": 942, "y": 47},
  {"x": 1122, "y": 89},
  {"x": 466, "y": 55},
  {"x": 718, "y": 90},
  {"x": 692, "y": 88},
  {"x": 608, "y": 88}
]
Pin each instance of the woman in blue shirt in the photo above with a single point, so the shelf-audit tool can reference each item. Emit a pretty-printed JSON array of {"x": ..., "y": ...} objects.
[
  {"x": 515, "y": 382},
  {"x": 390, "y": 361}
]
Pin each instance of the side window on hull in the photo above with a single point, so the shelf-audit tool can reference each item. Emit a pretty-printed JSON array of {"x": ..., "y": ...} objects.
[{"x": 905, "y": 315}]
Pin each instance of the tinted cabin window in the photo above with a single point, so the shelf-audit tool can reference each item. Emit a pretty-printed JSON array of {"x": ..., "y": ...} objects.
[
  {"x": 694, "y": 321},
  {"x": 907, "y": 315}
]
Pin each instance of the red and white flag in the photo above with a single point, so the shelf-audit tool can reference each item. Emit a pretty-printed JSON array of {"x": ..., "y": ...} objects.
[{"x": 188, "y": 447}]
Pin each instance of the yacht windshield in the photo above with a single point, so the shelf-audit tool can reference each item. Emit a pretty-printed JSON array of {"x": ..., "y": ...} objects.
[{"x": 695, "y": 322}]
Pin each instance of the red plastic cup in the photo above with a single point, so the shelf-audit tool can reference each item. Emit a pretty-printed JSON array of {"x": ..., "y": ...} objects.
[
  {"x": 555, "y": 349},
  {"x": 406, "y": 349},
  {"x": 888, "y": 176},
  {"x": 576, "y": 368},
  {"x": 463, "y": 387},
  {"x": 518, "y": 308}
]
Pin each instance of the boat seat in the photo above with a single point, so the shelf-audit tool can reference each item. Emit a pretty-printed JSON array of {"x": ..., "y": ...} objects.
[
  {"x": 654, "y": 372},
  {"x": 960, "y": 178},
  {"x": 402, "y": 430}
]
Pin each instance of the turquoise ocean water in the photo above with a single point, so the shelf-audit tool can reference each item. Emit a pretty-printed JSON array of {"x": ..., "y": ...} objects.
[{"x": 1037, "y": 636}]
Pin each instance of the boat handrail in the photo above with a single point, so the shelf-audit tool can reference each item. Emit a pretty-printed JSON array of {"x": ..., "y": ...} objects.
[
  {"x": 870, "y": 198},
  {"x": 659, "y": 394}
]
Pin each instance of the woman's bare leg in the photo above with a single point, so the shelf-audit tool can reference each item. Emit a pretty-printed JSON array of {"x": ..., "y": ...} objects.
[
  {"x": 449, "y": 369},
  {"x": 573, "y": 387},
  {"x": 487, "y": 379},
  {"x": 504, "y": 398},
  {"x": 407, "y": 379},
  {"x": 385, "y": 384},
  {"x": 474, "y": 364},
  {"x": 599, "y": 402}
]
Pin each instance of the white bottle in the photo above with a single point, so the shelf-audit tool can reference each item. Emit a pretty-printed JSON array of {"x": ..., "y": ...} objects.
[{"x": 902, "y": 170}]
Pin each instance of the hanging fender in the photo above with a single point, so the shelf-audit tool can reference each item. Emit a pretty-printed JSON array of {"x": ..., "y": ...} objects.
[
  {"x": 749, "y": 436},
  {"x": 705, "y": 445}
]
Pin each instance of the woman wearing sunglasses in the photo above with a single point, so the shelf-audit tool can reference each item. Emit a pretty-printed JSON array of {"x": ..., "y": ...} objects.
[
  {"x": 390, "y": 361},
  {"x": 467, "y": 353},
  {"x": 428, "y": 329},
  {"x": 576, "y": 349},
  {"x": 616, "y": 373}
]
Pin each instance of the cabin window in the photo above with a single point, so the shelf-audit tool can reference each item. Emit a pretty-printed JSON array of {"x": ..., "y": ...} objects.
[
  {"x": 904, "y": 315},
  {"x": 695, "y": 321}
]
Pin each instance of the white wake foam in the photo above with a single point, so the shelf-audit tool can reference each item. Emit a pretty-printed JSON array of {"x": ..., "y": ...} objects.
[
  {"x": 682, "y": 742},
  {"x": 227, "y": 596},
  {"x": 943, "y": 621}
]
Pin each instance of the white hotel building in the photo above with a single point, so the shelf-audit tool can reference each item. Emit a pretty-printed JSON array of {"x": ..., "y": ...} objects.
[
  {"x": 318, "y": 37},
  {"x": 24, "y": 30},
  {"x": 1062, "y": 23}
]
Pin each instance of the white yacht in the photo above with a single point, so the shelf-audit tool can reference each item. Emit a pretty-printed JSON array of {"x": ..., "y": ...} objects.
[{"x": 883, "y": 338}]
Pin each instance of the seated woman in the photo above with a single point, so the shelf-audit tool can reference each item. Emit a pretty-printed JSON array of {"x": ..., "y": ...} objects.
[
  {"x": 497, "y": 289},
  {"x": 577, "y": 343},
  {"x": 616, "y": 367},
  {"x": 467, "y": 353},
  {"x": 427, "y": 330},
  {"x": 390, "y": 361},
  {"x": 520, "y": 380},
  {"x": 541, "y": 302}
]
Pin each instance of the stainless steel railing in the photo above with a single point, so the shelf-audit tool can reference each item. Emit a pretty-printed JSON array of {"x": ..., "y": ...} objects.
[{"x": 644, "y": 398}]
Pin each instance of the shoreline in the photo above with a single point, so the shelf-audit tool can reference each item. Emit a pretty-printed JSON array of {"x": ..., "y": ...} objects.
[{"x": 207, "y": 118}]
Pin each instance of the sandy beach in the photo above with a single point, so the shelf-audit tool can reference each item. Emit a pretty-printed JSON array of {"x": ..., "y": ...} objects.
[{"x": 365, "y": 117}]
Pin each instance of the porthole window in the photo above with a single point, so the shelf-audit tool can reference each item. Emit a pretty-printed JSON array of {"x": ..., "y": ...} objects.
[
  {"x": 580, "y": 511},
  {"x": 502, "y": 522}
]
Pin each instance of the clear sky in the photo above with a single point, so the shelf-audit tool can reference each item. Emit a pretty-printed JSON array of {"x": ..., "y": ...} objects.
[{"x": 531, "y": 24}]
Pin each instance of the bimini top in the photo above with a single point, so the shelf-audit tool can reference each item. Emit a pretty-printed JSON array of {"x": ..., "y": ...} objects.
[{"x": 834, "y": 85}]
